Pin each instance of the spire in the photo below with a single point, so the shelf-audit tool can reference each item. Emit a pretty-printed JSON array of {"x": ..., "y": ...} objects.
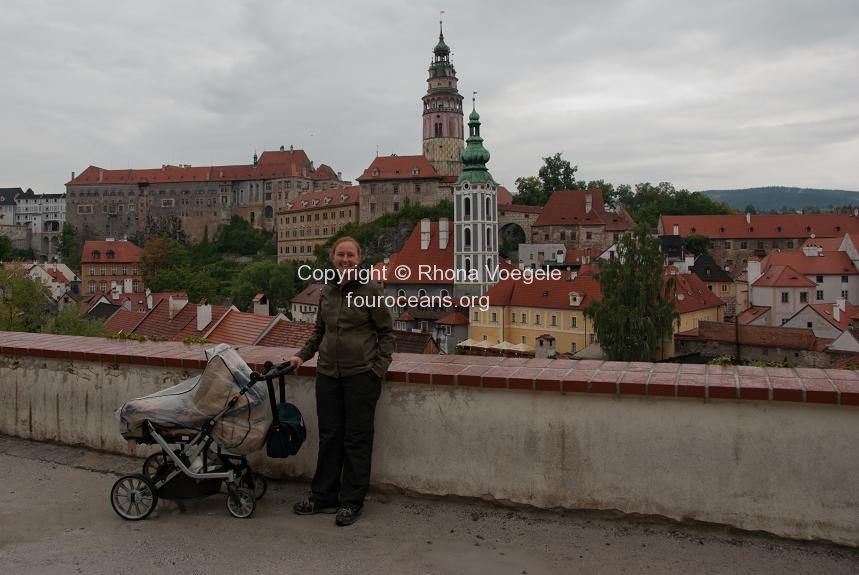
[
  {"x": 255, "y": 158},
  {"x": 475, "y": 156}
]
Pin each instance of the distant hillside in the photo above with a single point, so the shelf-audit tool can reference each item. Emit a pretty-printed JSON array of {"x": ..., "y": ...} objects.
[{"x": 782, "y": 198}]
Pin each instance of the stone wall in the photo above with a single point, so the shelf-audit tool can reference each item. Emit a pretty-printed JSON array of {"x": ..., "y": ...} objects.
[{"x": 758, "y": 449}]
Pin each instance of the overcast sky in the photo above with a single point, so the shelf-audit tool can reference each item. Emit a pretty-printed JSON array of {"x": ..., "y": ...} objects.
[{"x": 703, "y": 94}]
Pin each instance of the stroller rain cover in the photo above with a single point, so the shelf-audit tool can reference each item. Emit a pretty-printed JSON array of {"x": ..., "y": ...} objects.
[{"x": 184, "y": 408}]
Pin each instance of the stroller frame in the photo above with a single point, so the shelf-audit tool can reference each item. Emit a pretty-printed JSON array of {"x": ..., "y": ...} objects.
[{"x": 174, "y": 473}]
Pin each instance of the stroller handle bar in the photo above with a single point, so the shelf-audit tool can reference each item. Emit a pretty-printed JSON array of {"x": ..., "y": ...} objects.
[{"x": 271, "y": 371}]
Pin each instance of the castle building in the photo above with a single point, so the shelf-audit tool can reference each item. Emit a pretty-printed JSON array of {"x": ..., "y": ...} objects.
[
  {"x": 424, "y": 180},
  {"x": 475, "y": 209},
  {"x": 195, "y": 199},
  {"x": 442, "y": 118},
  {"x": 308, "y": 220}
]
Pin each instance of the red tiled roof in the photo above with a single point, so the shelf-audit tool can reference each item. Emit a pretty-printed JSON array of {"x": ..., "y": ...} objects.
[
  {"x": 329, "y": 197},
  {"x": 691, "y": 294},
  {"x": 240, "y": 328},
  {"x": 287, "y": 334},
  {"x": 755, "y": 335},
  {"x": 520, "y": 208},
  {"x": 782, "y": 276},
  {"x": 504, "y": 196},
  {"x": 406, "y": 316},
  {"x": 827, "y": 244},
  {"x": 399, "y": 168},
  {"x": 827, "y": 263},
  {"x": 412, "y": 256},
  {"x": 190, "y": 329},
  {"x": 567, "y": 208},
  {"x": 123, "y": 250},
  {"x": 825, "y": 311},
  {"x": 454, "y": 318},
  {"x": 309, "y": 295},
  {"x": 753, "y": 313},
  {"x": 577, "y": 256},
  {"x": 761, "y": 225},
  {"x": 123, "y": 320},
  {"x": 270, "y": 165},
  {"x": 551, "y": 294}
]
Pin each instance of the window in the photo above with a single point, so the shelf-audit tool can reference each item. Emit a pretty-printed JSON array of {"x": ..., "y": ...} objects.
[
  {"x": 466, "y": 207},
  {"x": 167, "y": 202},
  {"x": 91, "y": 287},
  {"x": 523, "y": 339},
  {"x": 554, "y": 320},
  {"x": 476, "y": 317},
  {"x": 417, "y": 188},
  {"x": 396, "y": 206},
  {"x": 562, "y": 236},
  {"x": 844, "y": 293},
  {"x": 494, "y": 317},
  {"x": 537, "y": 319},
  {"x": 573, "y": 347},
  {"x": 574, "y": 322},
  {"x": 724, "y": 288},
  {"x": 589, "y": 235},
  {"x": 513, "y": 317},
  {"x": 785, "y": 297},
  {"x": 760, "y": 245},
  {"x": 728, "y": 244},
  {"x": 524, "y": 319},
  {"x": 396, "y": 189},
  {"x": 844, "y": 279},
  {"x": 819, "y": 295},
  {"x": 744, "y": 245},
  {"x": 84, "y": 209},
  {"x": 820, "y": 279},
  {"x": 803, "y": 297},
  {"x": 790, "y": 244}
]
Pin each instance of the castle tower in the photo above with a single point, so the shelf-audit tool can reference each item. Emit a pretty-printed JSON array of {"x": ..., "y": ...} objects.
[
  {"x": 442, "y": 133},
  {"x": 475, "y": 214}
]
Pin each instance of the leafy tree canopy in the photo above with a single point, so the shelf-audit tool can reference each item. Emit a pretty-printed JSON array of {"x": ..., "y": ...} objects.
[
  {"x": 554, "y": 175},
  {"x": 71, "y": 321},
  {"x": 636, "y": 311},
  {"x": 696, "y": 244},
  {"x": 22, "y": 300},
  {"x": 647, "y": 202}
]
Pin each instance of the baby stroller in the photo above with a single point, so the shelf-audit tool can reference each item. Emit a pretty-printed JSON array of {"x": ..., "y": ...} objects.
[{"x": 205, "y": 427}]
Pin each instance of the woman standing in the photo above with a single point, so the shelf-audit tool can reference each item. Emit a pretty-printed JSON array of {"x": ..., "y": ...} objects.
[{"x": 355, "y": 344}]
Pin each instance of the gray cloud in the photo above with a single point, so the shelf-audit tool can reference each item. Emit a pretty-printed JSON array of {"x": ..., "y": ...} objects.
[{"x": 701, "y": 94}]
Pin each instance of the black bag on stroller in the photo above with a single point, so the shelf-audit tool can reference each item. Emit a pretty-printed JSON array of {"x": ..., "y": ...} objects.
[{"x": 287, "y": 432}]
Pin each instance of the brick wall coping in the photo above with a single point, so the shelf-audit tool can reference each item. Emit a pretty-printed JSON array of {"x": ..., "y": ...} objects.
[{"x": 808, "y": 385}]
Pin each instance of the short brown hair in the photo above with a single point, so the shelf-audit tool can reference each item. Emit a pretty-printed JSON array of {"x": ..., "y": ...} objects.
[{"x": 345, "y": 239}]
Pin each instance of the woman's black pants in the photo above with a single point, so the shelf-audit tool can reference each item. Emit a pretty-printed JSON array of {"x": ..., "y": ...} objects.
[{"x": 345, "y": 408}]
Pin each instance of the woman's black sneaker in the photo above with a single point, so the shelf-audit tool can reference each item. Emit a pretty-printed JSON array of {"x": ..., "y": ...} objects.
[
  {"x": 347, "y": 516},
  {"x": 309, "y": 507}
]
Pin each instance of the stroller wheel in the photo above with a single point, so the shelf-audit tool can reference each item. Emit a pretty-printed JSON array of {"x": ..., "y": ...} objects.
[
  {"x": 256, "y": 483},
  {"x": 133, "y": 497},
  {"x": 241, "y": 502},
  {"x": 153, "y": 463}
]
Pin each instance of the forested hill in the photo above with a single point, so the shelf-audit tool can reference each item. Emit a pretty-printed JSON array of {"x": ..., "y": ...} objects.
[{"x": 782, "y": 198}]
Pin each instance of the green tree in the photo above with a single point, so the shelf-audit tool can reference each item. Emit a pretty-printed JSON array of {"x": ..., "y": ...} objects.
[
  {"x": 646, "y": 203},
  {"x": 71, "y": 321},
  {"x": 636, "y": 312},
  {"x": 156, "y": 258},
  {"x": 22, "y": 300},
  {"x": 555, "y": 174},
  {"x": 240, "y": 237},
  {"x": 750, "y": 209},
  {"x": 696, "y": 244},
  {"x": 6, "y": 250},
  {"x": 70, "y": 247}
]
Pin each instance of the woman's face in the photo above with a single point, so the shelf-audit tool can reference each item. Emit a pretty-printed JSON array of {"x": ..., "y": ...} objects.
[{"x": 346, "y": 257}]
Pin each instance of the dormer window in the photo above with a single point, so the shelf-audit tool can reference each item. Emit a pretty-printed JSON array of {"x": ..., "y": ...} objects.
[
  {"x": 375, "y": 172},
  {"x": 416, "y": 171},
  {"x": 96, "y": 255},
  {"x": 327, "y": 200},
  {"x": 110, "y": 254},
  {"x": 575, "y": 299},
  {"x": 343, "y": 197}
]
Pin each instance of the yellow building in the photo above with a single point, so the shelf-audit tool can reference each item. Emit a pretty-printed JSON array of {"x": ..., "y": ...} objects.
[
  {"x": 308, "y": 220},
  {"x": 518, "y": 313}
]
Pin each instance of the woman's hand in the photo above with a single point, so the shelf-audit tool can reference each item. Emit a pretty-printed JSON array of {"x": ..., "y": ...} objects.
[{"x": 296, "y": 361}]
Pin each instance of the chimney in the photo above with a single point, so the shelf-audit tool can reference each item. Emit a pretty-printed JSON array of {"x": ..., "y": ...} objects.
[
  {"x": 425, "y": 234},
  {"x": 282, "y": 148},
  {"x": 560, "y": 256},
  {"x": 127, "y": 285},
  {"x": 443, "y": 233},
  {"x": 748, "y": 218},
  {"x": 260, "y": 304},
  {"x": 73, "y": 177},
  {"x": 840, "y": 302},
  {"x": 175, "y": 305},
  {"x": 675, "y": 230},
  {"x": 100, "y": 175},
  {"x": 148, "y": 298},
  {"x": 588, "y": 202},
  {"x": 836, "y": 312},
  {"x": 126, "y": 305},
  {"x": 810, "y": 251},
  {"x": 340, "y": 176},
  {"x": 753, "y": 270},
  {"x": 204, "y": 315}
]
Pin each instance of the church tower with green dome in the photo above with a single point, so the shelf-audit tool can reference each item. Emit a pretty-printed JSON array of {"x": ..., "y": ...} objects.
[
  {"x": 442, "y": 117},
  {"x": 475, "y": 217}
]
